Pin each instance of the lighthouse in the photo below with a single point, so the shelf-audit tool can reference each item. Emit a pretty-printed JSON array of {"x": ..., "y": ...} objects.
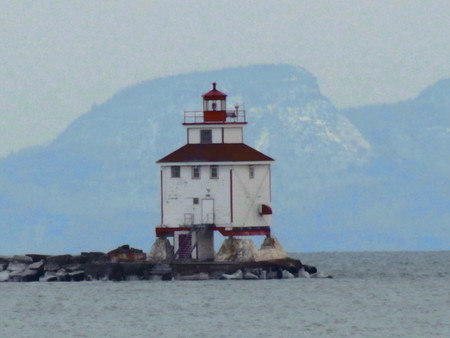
[{"x": 214, "y": 183}]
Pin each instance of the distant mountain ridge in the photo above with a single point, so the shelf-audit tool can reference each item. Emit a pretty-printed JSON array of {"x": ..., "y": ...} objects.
[{"x": 96, "y": 185}]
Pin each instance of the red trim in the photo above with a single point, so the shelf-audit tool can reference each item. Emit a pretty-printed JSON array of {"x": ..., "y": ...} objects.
[
  {"x": 202, "y": 123},
  {"x": 231, "y": 196},
  {"x": 234, "y": 231}
]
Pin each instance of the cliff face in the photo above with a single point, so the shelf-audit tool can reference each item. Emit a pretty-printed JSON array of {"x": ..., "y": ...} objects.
[{"x": 97, "y": 184}]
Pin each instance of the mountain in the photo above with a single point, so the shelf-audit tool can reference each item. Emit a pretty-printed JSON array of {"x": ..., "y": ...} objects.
[{"x": 337, "y": 185}]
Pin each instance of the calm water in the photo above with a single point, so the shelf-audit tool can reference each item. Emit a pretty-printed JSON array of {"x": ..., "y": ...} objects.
[{"x": 405, "y": 294}]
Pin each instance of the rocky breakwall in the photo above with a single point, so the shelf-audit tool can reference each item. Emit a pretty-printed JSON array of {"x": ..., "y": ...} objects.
[{"x": 123, "y": 263}]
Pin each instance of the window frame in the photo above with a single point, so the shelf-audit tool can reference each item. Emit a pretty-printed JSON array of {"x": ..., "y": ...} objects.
[
  {"x": 251, "y": 171},
  {"x": 214, "y": 172},
  {"x": 194, "y": 169},
  {"x": 206, "y": 136},
  {"x": 175, "y": 171}
]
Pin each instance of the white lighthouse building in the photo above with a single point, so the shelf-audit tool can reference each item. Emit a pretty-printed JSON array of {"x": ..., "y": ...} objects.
[{"x": 213, "y": 183}]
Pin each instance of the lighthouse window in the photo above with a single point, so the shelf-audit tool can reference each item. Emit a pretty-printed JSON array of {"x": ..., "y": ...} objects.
[
  {"x": 251, "y": 171},
  {"x": 205, "y": 136},
  {"x": 214, "y": 171},
  {"x": 196, "y": 172},
  {"x": 175, "y": 171}
]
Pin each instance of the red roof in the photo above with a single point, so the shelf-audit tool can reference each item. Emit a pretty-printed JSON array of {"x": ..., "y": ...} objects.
[
  {"x": 215, "y": 152},
  {"x": 214, "y": 94}
]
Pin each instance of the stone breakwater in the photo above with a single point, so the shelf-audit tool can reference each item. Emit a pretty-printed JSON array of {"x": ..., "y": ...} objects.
[{"x": 130, "y": 264}]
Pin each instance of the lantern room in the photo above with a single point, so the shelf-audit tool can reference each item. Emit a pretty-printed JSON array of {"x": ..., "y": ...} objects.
[{"x": 214, "y": 105}]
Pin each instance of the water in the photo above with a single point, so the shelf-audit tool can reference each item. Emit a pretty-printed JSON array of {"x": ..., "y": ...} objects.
[{"x": 404, "y": 294}]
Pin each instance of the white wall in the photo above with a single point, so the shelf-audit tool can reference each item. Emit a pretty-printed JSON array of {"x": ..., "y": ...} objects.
[
  {"x": 178, "y": 195},
  {"x": 231, "y": 134}
]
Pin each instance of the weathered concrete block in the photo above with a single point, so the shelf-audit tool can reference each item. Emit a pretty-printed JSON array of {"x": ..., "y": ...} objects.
[
  {"x": 237, "y": 250},
  {"x": 270, "y": 249},
  {"x": 161, "y": 251}
]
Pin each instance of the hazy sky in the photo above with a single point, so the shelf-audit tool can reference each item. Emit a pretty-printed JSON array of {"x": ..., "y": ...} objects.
[{"x": 59, "y": 57}]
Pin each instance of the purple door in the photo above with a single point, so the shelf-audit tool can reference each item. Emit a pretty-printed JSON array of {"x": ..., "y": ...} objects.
[{"x": 184, "y": 246}]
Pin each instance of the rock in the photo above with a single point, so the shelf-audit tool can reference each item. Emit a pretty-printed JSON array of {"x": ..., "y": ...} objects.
[
  {"x": 76, "y": 276},
  {"x": 303, "y": 274},
  {"x": 91, "y": 257},
  {"x": 17, "y": 266},
  {"x": 48, "y": 277},
  {"x": 4, "y": 276},
  {"x": 73, "y": 267},
  {"x": 270, "y": 249},
  {"x": 62, "y": 275},
  {"x": 161, "y": 250},
  {"x": 30, "y": 275},
  {"x": 22, "y": 259},
  {"x": 287, "y": 275},
  {"x": 124, "y": 252},
  {"x": 51, "y": 267},
  {"x": 249, "y": 275},
  {"x": 309, "y": 269},
  {"x": 234, "y": 276},
  {"x": 271, "y": 274},
  {"x": 36, "y": 265},
  {"x": 37, "y": 258},
  {"x": 237, "y": 250},
  {"x": 197, "y": 276},
  {"x": 59, "y": 260}
]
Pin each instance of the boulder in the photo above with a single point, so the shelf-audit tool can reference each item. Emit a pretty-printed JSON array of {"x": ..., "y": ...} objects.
[
  {"x": 303, "y": 274},
  {"x": 4, "y": 276},
  {"x": 196, "y": 276},
  {"x": 161, "y": 251},
  {"x": 62, "y": 275},
  {"x": 37, "y": 257},
  {"x": 48, "y": 277},
  {"x": 36, "y": 265},
  {"x": 126, "y": 253},
  {"x": 287, "y": 275},
  {"x": 30, "y": 275},
  {"x": 22, "y": 259},
  {"x": 59, "y": 260},
  {"x": 237, "y": 250},
  {"x": 15, "y": 266},
  {"x": 249, "y": 275},
  {"x": 76, "y": 276},
  {"x": 233, "y": 276}
]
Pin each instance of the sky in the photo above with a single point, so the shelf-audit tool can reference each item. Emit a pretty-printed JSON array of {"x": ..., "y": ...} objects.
[{"x": 59, "y": 58}]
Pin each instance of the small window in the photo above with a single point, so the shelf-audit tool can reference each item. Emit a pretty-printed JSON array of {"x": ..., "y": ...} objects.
[
  {"x": 214, "y": 171},
  {"x": 175, "y": 171},
  {"x": 196, "y": 200},
  {"x": 206, "y": 136},
  {"x": 251, "y": 171},
  {"x": 196, "y": 172}
]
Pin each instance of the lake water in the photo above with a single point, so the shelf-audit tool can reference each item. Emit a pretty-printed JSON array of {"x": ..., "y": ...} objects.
[{"x": 385, "y": 294}]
